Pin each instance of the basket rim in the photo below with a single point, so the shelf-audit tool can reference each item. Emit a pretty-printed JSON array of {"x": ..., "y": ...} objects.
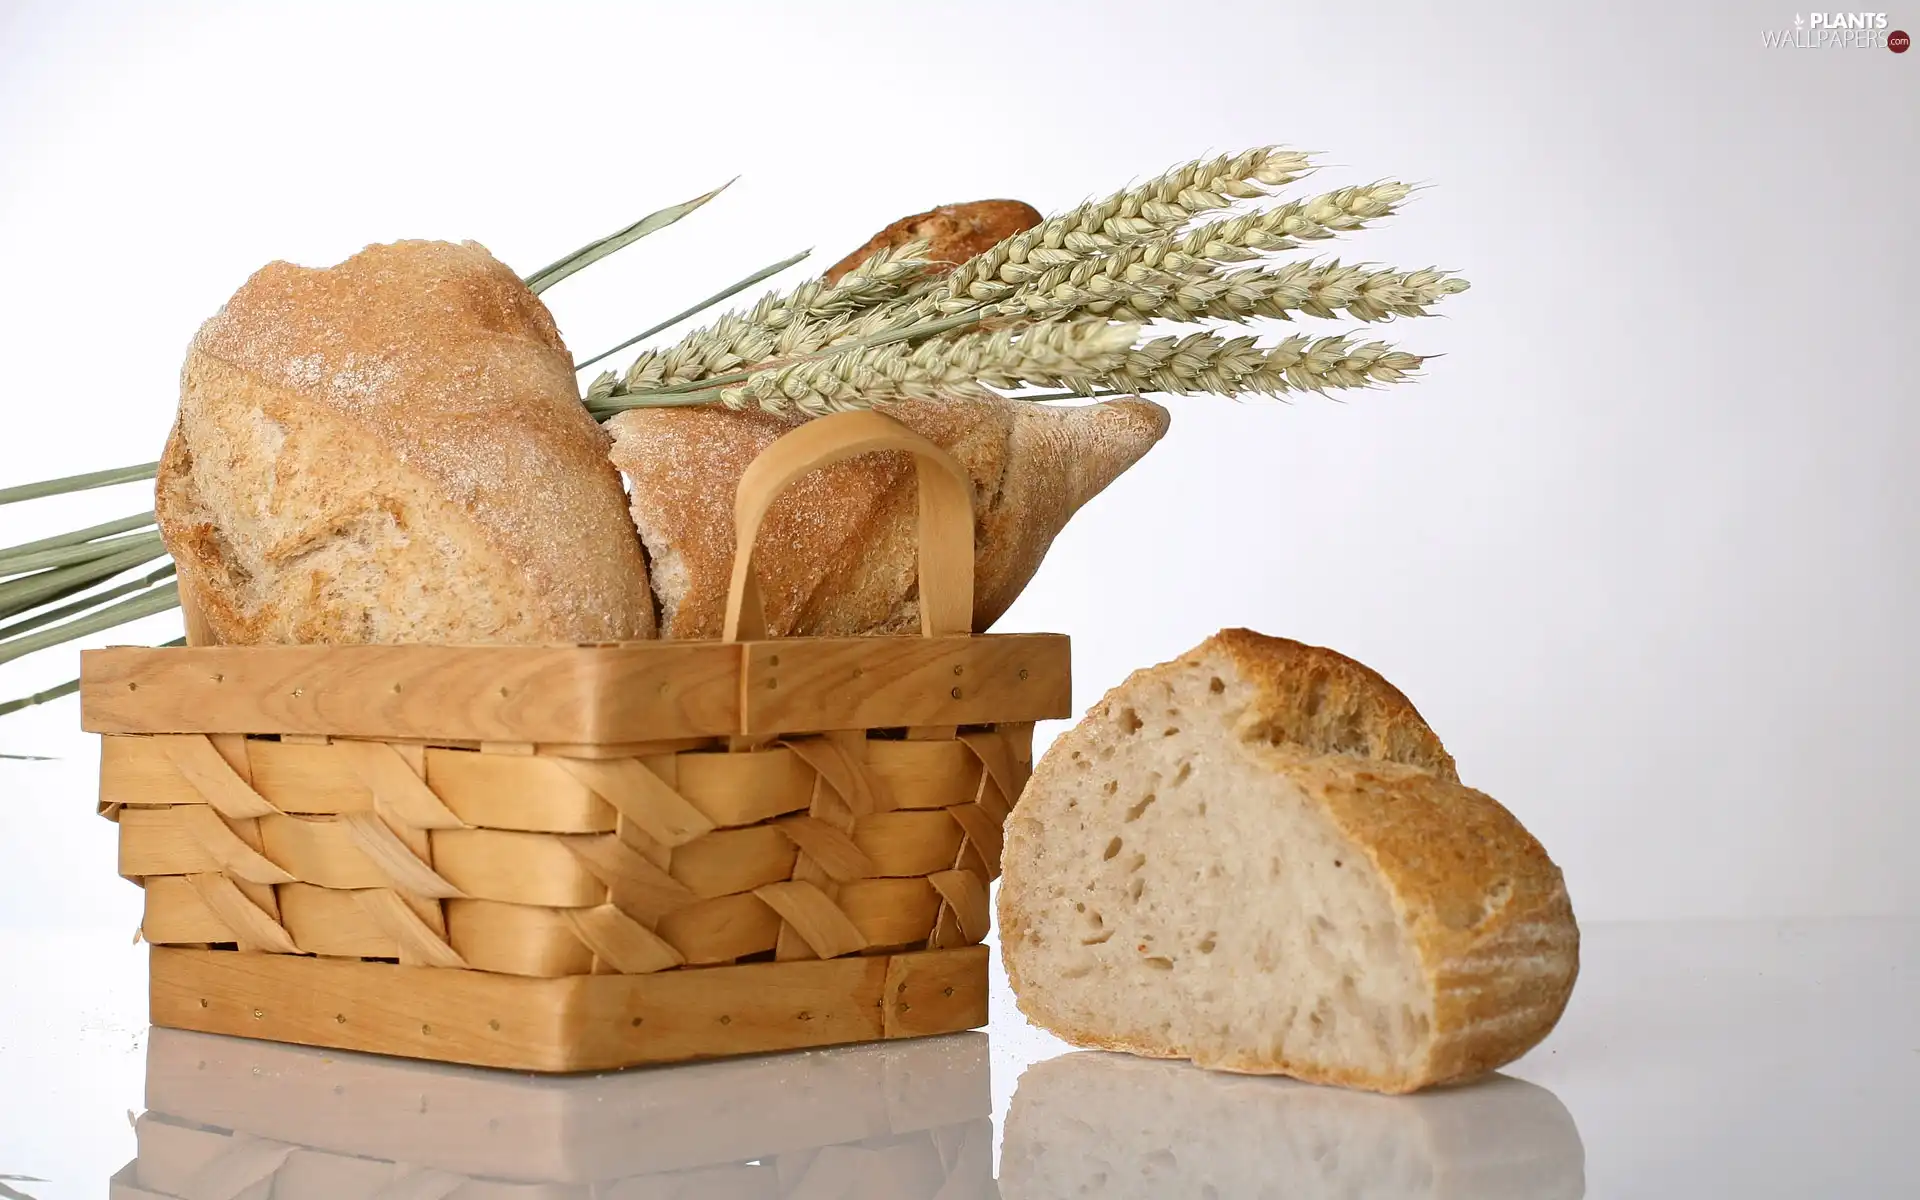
[{"x": 581, "y": 694}]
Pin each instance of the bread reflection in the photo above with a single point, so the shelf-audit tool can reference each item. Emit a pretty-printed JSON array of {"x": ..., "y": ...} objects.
[
  {"x": 1093, "y": 1124},
  {"x": 244, "y": 1120}
]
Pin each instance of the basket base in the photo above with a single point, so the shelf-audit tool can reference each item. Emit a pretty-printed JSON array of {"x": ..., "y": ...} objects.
[{"x": 573, "y": 1023}]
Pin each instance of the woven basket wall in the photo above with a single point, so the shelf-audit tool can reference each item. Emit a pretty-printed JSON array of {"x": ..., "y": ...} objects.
[{"x": 539, "y": 864}]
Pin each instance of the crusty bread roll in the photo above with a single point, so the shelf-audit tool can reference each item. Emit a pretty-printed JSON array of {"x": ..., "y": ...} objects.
[
  {"x": 393, "y": 450},
  {"x": 1258, "y": 857},
  {"x": 954, "y": 233},
  {"x": 1106, "y": 1125},
  {"x": 836, "y": 554}
]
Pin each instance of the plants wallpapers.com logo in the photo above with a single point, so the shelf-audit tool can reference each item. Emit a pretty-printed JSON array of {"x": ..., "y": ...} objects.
[{"x": 1837, "y": 31}]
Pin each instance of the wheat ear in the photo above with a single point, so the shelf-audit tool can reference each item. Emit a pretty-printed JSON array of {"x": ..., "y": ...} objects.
[
  {"x": 1051, "y": 354},
  {"x": 1285, "y": 226},
  {"x": 1164, "y": 203},
  {"x": 1316, "y": 290},
  {"x": 780, "y": 324},
  {"x": 1202, "y": 362}
]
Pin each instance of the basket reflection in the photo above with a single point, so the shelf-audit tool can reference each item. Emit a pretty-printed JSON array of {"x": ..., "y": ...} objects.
[{"x": 244, "y": 1120}]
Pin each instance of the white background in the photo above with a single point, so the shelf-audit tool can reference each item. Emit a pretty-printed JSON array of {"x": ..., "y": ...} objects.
[{"x": 1642, "y": 546}]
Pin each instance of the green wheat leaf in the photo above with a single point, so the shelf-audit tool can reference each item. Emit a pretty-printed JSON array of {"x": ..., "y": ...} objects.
[
  {"x": 593, "y": 252},
  {"x": 18, "y": 596},
  {"x": 137, "y": 521},
  {"x": 144, "y": 605},
  {"x": 51, "y": 615},
  {"x": 66, "y": 556},
  {"x": 77, "y": 483},
  {"x": 766, "y": 272}
]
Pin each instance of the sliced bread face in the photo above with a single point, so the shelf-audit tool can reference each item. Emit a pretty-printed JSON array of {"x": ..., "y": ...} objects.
[{"x": 1258, "y": 857}]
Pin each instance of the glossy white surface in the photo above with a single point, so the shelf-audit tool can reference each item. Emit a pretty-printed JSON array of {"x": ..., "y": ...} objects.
[{"x": 1756, "y": 1060}]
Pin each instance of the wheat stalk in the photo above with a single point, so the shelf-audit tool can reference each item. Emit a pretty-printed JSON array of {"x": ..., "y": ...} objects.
[
  {"x": 77, "y": 483},
  {"x": 1137, "y": 279},
  {"x": 1313, "y": 289},
  {"x": 1204, "y": 362},
  {"x": 1087, "y": 356},
  {"x": 1121, "y": 257},
  {"x": 1127, "y": 257},
  {"x": 1137, "y": 287},
  {"x": 1132, "y": 214},
  {"x": 1044, "y": 354},
  {"x": 781, "y": 324},
  {"x": 1285, "y": 226},
  {"x": 1142, "y": 279},
  {"x": 1149, "y": 269},
  {"x": 814, "y": 316},
  {"x": 1131, "y": 257},
  {"x": 726, "y": 293}
]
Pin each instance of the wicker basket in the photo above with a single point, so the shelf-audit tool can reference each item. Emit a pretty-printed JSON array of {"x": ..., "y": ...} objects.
[
  {"x": 247, "y": 1120},
  {"x": 565, "y": 858}
]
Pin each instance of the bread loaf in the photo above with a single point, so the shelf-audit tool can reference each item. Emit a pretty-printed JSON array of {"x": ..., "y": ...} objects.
[
  {"x": 954, "y": 232},
  {"x": 1258, "y": 857},
  {"x": 1107, "y": 1125},
  {"x": 393, "y": 450},
  {"x": 836, "y": 554}
]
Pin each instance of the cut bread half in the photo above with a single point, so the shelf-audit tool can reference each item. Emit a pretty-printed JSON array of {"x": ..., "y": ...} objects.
[
  {"x": 1115, "y": 1127},
  {"x": 1259, "y": 857}
]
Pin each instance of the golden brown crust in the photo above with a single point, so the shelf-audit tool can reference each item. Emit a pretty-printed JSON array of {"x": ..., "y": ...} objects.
[
  {"x": 829, "y": 528},
  {"x": 1321, "y": 699},
  {"x": 956, "y": 233},
  {"x": 393, "y": 448},
  {"x": 836, "y": 553},
  {"x": 188, "y": 531},
  {"x": 1485, "y": 908}
]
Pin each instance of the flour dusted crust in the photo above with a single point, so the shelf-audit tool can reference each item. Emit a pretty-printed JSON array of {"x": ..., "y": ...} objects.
[
  {"x": 1442, "y": 879},
  {"x": 836, "y": 553},
  {"x": 393, "y": 449}
]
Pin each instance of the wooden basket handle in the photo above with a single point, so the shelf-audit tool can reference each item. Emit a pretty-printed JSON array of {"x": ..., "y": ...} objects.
[{"x": 945, "y": 524}]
